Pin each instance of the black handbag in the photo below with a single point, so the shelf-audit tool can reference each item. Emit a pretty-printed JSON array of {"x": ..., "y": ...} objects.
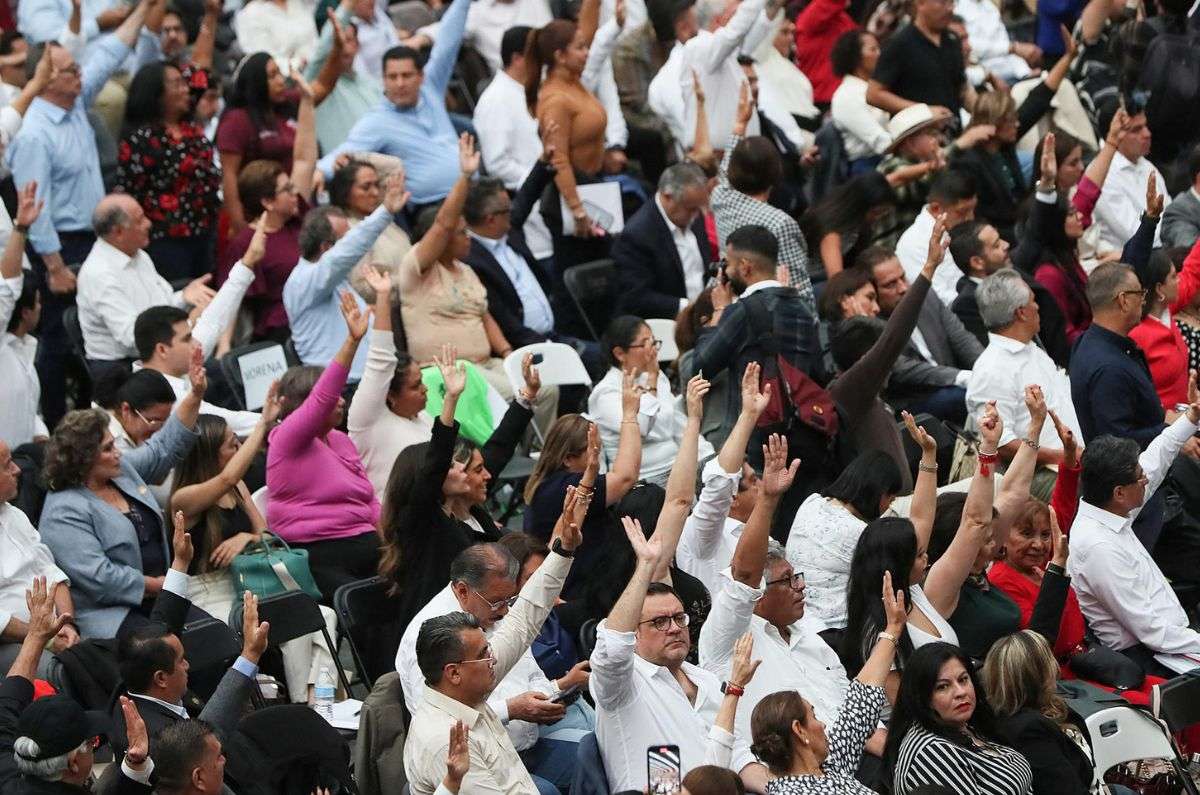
[{"x": 1100, "y": 664}]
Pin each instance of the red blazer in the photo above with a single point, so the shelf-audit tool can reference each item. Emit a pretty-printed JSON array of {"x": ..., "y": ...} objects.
[
  {"x": 818, "y": 26},
  {"x": 1167, "y": 356}
]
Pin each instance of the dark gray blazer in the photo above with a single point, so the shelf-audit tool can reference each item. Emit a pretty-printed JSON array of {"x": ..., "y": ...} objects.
[
  {"x": 953, "y": 347},
  {"x": 1181, "y": 221},
  {"x": 95, "y": 545}
]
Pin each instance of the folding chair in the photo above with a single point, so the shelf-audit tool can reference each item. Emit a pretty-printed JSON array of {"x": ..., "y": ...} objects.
[
  {"x": 587, "y": 637},
  {"x": 1125, "y": 734},
  {"x": 663, "y": 330},
  {"x": 590, "y": 286},
  {"x": 364, "y": 608},
  {"x": 293, "y": 614},
  {"x": 209, "y": 643},
  {"x": 263, "y": 362},
  {"x": 1177, "y": 701},
  {"x": 560, "y": 365}
]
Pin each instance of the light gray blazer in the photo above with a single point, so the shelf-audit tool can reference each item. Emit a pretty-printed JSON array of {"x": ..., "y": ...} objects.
[{"x": 96, "y": 545}]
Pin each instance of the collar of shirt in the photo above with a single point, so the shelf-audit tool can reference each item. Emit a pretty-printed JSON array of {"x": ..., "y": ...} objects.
[
  {"x": 675, "y": 230},
  {"x": 455, "y": 709},
  {"x": 176, "y": 708},
  {"x": 1008, "y": 344},
  {"x": 652, "y": 671},
  {"x": 1122, "y": 163},
  {"x": 1101, "y": 517},
  {"x": 1114, "y": 339},
  {"x": 54, "y": 113},
  {"x": 1195, "y": 193},
  {"x": 111, "y": 255},
  {"x": 495, "y": 246},
  {"x": 763, "y": 285}
]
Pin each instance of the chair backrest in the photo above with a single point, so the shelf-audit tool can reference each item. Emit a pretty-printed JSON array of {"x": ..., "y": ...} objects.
[
  {"x": 587, "y": 637},
  {"x": 292, "y": 614},
  {"x": 367, "y": 618},
  {"x": 261, "y": 497},
  {"x": 1177, "y": 701},
  {"x": 73, "y": 328},
  {"x": 590, "y": 286},
  {"x": 560, "y": 365},
  {"x": 209, "y": 643},
  {"x": 664, "y": 329},
  {"x": 250, "y": 370},
  {"x": 1124, "y": 734}
]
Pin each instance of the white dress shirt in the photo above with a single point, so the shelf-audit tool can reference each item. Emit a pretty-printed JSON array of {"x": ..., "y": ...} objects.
[
  {"x": 1002, "y": 372},
  {"x": 1123, "y": 200},
  {"x": 538, "y": 314},
  {"x": 790, "y": 88},
  {"x": 375, "y": 37},
  {"x": 689, "y": 255},
  {"x": 112, "y": 290},
  {"x": 508, "y": 135},
  {"x": 495, "y": 766},
  {"x": 523, "y": 677},
  {"x": 1122, "y": 592},
  {"x": 487, "y": 20},
  {"x": 288, "y": 34},
  {"x": 640, "y": 704},
  {"x": 710, "y": 534},
  {"x": 23, "y": 556},
  {"x": 912, "y": 249},
  {"x": 821, "y": 546},
  {"x": 20, "y": 390},
  {"x": 863, "y": 127},
  {"x": 989, "y": 39},
  {"x": 803, "y": 662}
]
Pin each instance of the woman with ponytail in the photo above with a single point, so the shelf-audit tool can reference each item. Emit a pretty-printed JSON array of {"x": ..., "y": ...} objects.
[{"x": 573, "y": 121}]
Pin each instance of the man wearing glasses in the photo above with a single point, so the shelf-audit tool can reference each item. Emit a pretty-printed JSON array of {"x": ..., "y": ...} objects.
[
  {"x": 762, "y": 594},
  {"x": 465, "y": 657},
  {"x": 1110, "y": 380}
]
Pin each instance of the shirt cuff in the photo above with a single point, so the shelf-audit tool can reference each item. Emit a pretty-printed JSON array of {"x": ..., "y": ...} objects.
[
  {"x": 721, "y": 737},
  {"x": 140, "y": 776},
  {"x": 240, "y": 273},
  {"x": 501, "y": 710},
  {"x": 245, "y": 667},
  {"x": 714, "y": 471},
  {"x": 963, "y": 378},
  {"x": 177, "y": 583},
  {"x": 441, "y": 790},
  {"x": 15, "y": 284},
  {"x": 683, "y": 302},
  {"x": 739, "y": 591},
  {"x": 1047, "y": 197}
]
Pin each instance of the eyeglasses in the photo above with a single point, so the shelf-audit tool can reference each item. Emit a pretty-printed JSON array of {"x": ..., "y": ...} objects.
[
  {"x": 502, "y": 211},
  {"x": 509, "y": 602},
  {"x": 488, "y": 658},
  {"x": 656, "y": 344},
  {"x": 150, "y": 422},
  {"x": 663, "y": 623},
  {"x": 1140, "y": 293},
  {"x": 794, "y": 581}
]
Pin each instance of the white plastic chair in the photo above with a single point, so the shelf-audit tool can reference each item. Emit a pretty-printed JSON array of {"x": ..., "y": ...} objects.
[
  {"x": 560, "y": 366},
  {"x": 1125, "y": 734},
  {"x": 664, "y": 329},
  {"x": 260, "y": 499}
]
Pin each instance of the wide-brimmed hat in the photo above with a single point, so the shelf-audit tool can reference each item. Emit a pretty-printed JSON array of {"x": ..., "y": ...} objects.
[{"x": 910, "y": 121}]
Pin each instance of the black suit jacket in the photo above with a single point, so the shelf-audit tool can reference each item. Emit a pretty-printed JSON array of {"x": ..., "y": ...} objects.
[
  {"x": 649, "y": 273},
  {"x": 1053, "y": 334}
]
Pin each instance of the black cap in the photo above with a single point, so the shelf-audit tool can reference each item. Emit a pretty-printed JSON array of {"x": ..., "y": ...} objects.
[{"x": 59, "y": 725}]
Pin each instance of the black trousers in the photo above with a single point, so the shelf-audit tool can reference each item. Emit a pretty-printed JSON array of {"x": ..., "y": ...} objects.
[
  {"x": 339, "y": 561},
  {"x": 54, "y": 359}
]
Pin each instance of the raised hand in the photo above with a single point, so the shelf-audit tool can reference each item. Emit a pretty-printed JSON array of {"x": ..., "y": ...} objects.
[
  {"x": 745, "y": 106},
  {"x": 631, "y": 395},
  {"x": 258, "y": 244},
  {"x": 1154, "y": 199},
  {"x": 29, "y": 206},
  {"x": 197, "y": 292},
  {"x": 697, "y": 88},
  {"x": 254, "y": 632},
  {"x": 272, "y": 405},
  {"x": 1035, "y": 401},
  {"x": 619, "y": 13},
  {"x": 43, "y": 624},
  {"x": 394, "y": 194},
  {"x": 990, "y": 428},
  {"x": 1070, "y": 447},
  {"x": 919, "y": 434},
  {"x": 1062, "y": 549},
  {"x": 379, "y": 279},
  {"x": 742, "y": 668},
  {"x": 468, "y": 155},
  {"x": 777, "y": 474},
  {"x": 939, "y": 241},
  {"x": 567, "y": 528},
  {"x": 893, "y": 607},
  {"x": 1193, "y": 412},
  {"x": 697, "y": 388},
  {"x": 753, "y": 401},
  {"x": 181, "y": 543},
  {"x": 197, "y": 376},
  {"x": 1049, "y": 162},
  {"x": 357, "y": 320},
  {"x": 454, "y": 372},
  {"x": 135, "y": 733},
  {"x": 593, "y": 447},
  {"x": 458, "y": 756},
  {"x": 647, "y": 551},
  {"x": 1118, "y": 128},
  {"x": 532, "y": 378}
]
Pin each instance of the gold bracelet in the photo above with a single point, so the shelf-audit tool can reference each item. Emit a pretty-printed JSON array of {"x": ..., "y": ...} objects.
[{"x": 928, "y": 467}]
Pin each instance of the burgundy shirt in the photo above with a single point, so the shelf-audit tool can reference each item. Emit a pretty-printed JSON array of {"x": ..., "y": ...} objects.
[
  {"x": 236, "y": 135},
  {"x": 265, "y": 296}
]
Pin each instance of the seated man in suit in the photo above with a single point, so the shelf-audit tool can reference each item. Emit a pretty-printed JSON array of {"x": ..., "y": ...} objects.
[
  {"x": 931, "y": 374},
  {"x": 1181, "y": 220},
  {"x": 663, "y": 254}
]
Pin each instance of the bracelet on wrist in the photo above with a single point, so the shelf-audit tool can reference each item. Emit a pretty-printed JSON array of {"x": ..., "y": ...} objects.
[
  {"x": 1034, "y": 445},
  {"x": 22, "y": 228},
  {"x": 927, "y": 467},
  {"x": 1054, "y": 568},
  {"x": 886, "y": 636},
  {"x": 730, "y": 689}
]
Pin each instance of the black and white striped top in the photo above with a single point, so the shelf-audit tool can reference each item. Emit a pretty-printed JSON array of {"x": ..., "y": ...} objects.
[{"x": 989, "y": 769}]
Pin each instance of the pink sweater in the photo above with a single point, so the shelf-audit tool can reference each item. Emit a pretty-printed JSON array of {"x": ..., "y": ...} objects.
[{"x": 318, "y": 487}]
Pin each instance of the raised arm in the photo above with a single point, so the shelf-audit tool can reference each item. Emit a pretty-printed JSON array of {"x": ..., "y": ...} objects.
[
  {"x": 879, "y": 664},
  {"x": 188, "y": 409},
  {"x": 454, "y": 379},
  {"x": 445, "y": 50},
  {"x": 945, "y": 579},
  {"x": 206, "y": 38},
  {"x": 702, "y": 143},
  {"x": 42, "y": 628},
  {"x": 750, "y": 555},
  {"x": 430, "y": 248},
  {"x": 924, "y": 496},
  {"x": 29, "y": 207},
  {"x": 1137, "y": 249},
  {"x": 370, "y": 399},
  {"x": 1189, "y": 278},
  {"x": 627, "y": 611},
  {"x": 681, "y": 483},
  {"x": 625, "y": 467},
  {"x": 304, "y": 148},
  {"x": 1019, "y": 476}
]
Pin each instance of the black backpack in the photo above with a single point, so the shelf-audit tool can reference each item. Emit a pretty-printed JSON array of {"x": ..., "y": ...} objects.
[{"x": 1171, "y": 73}]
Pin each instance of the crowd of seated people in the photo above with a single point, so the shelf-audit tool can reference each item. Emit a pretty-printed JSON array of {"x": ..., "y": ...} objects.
[{"x": 805, "y": 390}]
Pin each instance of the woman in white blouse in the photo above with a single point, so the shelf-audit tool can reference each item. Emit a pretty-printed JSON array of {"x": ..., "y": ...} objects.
[
  {"x": 863, "y": 127},
  {"x": 827, "y": 526},
  {"x": 284, "y": 28},
  {"x": 629, "y": 344}
]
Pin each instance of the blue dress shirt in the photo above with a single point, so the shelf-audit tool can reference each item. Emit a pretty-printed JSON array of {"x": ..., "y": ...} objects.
[
  {"x": 422, "y": 136},
  {"x": 538, "y": 314},
  {"x": 1112, "y": 389},
  {"x": 57, "y": 147},
  {"x": 312, "y": 295}
]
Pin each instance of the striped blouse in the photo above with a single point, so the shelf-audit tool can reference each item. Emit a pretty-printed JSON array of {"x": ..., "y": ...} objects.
[{"x": 992, "y": 769}]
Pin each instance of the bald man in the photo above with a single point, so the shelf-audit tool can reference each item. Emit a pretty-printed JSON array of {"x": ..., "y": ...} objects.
[{"x": 118, "y": 282}]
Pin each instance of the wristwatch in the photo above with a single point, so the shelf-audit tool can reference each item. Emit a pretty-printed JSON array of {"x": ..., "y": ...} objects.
[
  {"x": 730, "y": 689},
  {"x": 558, "y": 548}
]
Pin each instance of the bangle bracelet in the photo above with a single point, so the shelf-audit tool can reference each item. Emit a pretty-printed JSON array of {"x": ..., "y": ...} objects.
[
  {"x": 1035, "y": 445},
  {"x": 928, "y": 467},
  {"x": 886, "y": 636}
]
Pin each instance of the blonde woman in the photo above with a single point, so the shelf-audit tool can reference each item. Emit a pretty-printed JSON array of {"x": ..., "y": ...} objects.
[{"x": 1019, "y": 677}]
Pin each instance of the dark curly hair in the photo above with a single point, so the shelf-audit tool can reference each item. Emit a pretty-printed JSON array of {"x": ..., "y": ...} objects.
[{"x": 73, "y": 448}]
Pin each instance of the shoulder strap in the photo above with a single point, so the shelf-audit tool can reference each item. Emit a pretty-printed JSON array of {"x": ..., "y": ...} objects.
[{"x": 762, "y": 325}]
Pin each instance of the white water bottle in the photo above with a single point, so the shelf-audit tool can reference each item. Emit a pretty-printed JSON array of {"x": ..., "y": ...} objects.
[{"x": 324, "y": 693}]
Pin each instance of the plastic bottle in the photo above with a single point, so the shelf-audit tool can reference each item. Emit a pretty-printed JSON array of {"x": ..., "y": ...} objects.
[{"x": 324, "y": 693}]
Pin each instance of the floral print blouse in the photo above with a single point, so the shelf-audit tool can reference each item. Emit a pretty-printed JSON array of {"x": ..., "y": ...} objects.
[{"x": 174, "y": 178}]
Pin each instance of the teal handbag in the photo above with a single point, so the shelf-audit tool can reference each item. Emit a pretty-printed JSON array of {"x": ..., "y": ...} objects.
[{"x": 270, "y": 567}]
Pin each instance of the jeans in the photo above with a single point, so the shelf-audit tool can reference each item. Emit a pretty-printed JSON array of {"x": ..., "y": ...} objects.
[{"x": 554, "y": 757}]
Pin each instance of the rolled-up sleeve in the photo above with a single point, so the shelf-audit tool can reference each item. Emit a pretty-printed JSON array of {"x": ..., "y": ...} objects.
[
  {"x": 611, "y": 682},
  {"x": 727, "y": 621}
]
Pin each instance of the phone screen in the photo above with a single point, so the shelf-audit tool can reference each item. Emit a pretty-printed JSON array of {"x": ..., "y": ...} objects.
[{"x": 662, "y": 769}]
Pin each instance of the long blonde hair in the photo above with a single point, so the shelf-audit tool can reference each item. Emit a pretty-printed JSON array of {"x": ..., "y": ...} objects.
[
  {"x": 567, "y": 437},
  {"x": 1019, "y": 673}
]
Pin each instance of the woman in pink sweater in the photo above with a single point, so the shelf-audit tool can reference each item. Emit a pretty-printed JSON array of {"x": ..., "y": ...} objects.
[{"x": 320, "y": 498}]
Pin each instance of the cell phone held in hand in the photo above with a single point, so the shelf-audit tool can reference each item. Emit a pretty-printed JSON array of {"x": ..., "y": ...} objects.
[
  {"x": 567, "y": 697},
  {"x": 663, "y": 769}
]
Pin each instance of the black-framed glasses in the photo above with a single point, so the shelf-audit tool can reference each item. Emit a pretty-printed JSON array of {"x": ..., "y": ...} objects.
[
  {"x": 655, "y": 343},
  {"x": 663, "y": 623},
  {"x": 509, "y": 602},
  {"x": 794, "y": 581}
]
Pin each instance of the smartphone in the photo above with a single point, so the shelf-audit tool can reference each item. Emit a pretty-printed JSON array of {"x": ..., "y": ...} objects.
[
  {"x": 663, "y": 769},
  {"x": 567, "y": 696},
  {"x": 537, "y": 358}
]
